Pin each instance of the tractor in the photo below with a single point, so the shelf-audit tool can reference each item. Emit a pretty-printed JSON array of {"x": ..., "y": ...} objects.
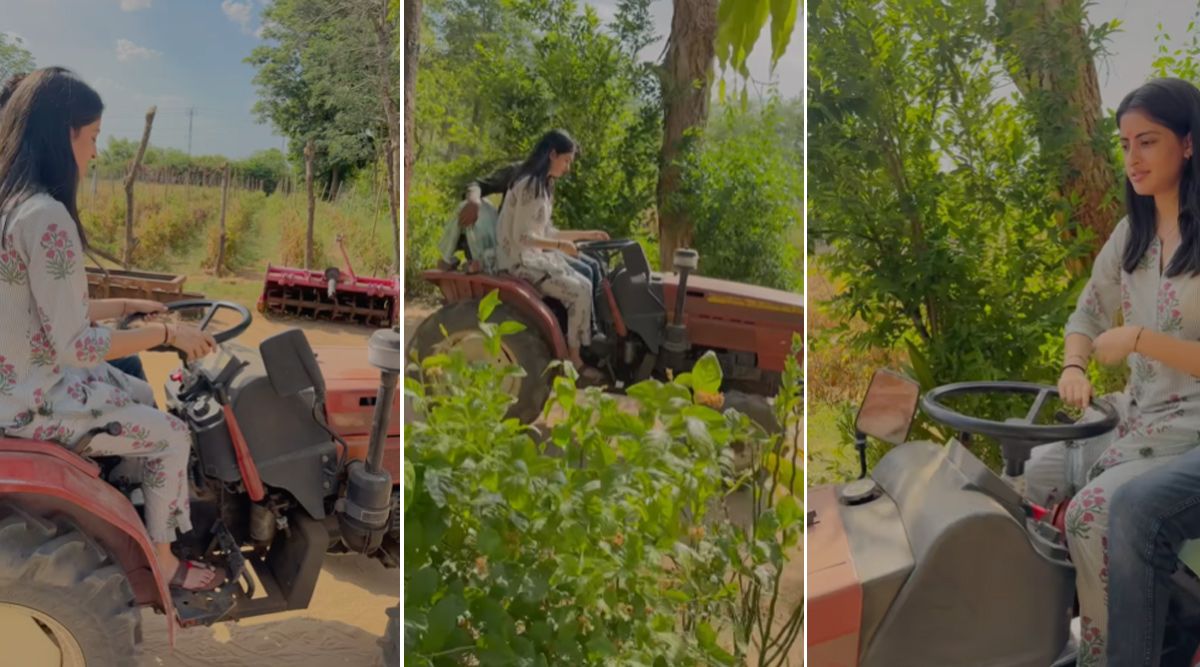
[
  {"x": 652, "y": 323},
  {"x": 932, "y": 558},
  {"x": 295, "y": 455}
]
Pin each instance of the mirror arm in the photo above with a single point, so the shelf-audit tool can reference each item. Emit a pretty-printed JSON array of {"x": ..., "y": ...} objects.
[{"x": 860, "y": 443}]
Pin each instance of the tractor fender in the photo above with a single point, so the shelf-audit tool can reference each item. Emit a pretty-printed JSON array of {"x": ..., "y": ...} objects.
[
  {"x": 44, "y": 478},
  {"x": 515, "y": 292}
]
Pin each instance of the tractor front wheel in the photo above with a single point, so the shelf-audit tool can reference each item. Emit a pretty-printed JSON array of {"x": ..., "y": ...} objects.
[
  {"x": 526, "y": 349},
  {"x": 62, "y": 599}
]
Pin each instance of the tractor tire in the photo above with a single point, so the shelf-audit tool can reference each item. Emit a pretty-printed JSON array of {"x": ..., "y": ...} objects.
[
  {"x": 760, "y": 412},
  {"x": 390, "y": 643},
  {"x": 526, "y": 349},
  {"x": 57, "y": 571}
]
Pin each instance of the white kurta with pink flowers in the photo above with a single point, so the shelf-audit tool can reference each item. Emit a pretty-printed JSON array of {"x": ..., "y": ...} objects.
[
  {"x": 1160, "y": 417},
  {"x": 54, "y": 382}
]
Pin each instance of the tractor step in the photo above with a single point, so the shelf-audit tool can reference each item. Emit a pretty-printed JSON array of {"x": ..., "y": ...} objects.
[{"x": 203, "y": 607}]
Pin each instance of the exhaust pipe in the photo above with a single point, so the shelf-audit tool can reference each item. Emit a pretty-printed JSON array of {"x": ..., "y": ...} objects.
[
  {"x": 676, "y": 344},
  {"x": 363, "y": 512}
]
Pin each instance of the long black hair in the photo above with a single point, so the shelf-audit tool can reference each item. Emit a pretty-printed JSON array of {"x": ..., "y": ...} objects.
[
  {"x": 537, "y": 165},
  {"x": 36, "y": 121},
  {"x": 1174, "y": 103}
]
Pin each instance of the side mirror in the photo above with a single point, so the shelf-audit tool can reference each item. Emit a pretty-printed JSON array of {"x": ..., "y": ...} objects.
[
  {"x": 887, "y": 411},
  {"x": 291, "y": 365}
]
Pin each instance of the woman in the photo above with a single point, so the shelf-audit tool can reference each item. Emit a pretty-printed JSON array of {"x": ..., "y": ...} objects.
[
  {"x": 131, "y": 364},
  {"x": 54, "y": 382},
  {"x": 529, "y": 247},
  {"x": 1148, "y": 272}
]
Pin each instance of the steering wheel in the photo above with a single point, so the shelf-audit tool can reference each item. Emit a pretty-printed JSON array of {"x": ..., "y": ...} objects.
[
  {"x": 192, "y": 304},
  {"x": 1017, "y": 436},
  {"x": 606, "y": 246}
]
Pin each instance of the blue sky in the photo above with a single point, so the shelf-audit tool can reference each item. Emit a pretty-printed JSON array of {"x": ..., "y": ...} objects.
[
  {"x": 174, "y": 54},
  {"x": 179, "y": 54}
]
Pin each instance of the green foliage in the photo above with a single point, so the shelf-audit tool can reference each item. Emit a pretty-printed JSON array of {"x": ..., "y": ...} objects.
[
  {"x": 268, "y": 166},
  {"x": 945, "y": 232},
  {"x": 740, "y": 23},
  {"x": 741, "y": 189},
  {"x": 14, "y": 57},
  {"x": 318, "y": 77},
  {"x": 603, "y": 545},
  {"x": 496, "y": 76}
]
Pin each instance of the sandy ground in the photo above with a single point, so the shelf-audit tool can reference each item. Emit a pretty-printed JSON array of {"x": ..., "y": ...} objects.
[
  {"x": 347, "y": 614},
  {"x": 791, "y": 589}
]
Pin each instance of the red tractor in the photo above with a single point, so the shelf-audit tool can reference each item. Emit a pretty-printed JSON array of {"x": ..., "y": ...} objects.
[
  {"x": 652, "y": 323},
  {"x": 295, "y": 455}
]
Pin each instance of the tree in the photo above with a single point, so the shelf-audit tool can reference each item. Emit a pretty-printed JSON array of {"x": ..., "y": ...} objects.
[
  {"x": 932, "y": 191},
  {"x": 687, "y": 78},
  {"x": 14, "y": 57},
  {"x": 1049, "y": 51},
  {"x": 267, "y": 166},
  {"x": 412, "y": 52},
  {"x": 699, "y": 32},
  {"x": 328, "y": 73}
]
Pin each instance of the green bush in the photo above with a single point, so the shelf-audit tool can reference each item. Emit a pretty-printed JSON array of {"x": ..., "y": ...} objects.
[
  {"x": 741, "y": 190},
  {"x": 611, "y": 552}
]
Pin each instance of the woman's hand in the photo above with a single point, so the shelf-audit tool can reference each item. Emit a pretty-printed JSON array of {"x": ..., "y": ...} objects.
[
  {"x": 1074, "y": 388},
  {"x": 191, "y": 340},
  {"x": 597, "y": 235},
  {"x": 143, "y": 306},
  {"x": 1112, "y": 346},
  {"x": 568, "y": 248}
]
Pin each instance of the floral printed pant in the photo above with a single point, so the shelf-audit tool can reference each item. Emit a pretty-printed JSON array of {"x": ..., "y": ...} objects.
[
  {"x": 1053, "y": 473},
  {"x": 163, "y": 444},
  {"x": 574, "y": 291}
]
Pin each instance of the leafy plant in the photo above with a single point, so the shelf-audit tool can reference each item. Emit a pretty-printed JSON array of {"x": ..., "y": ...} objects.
[{"x": 605, "y": 542}]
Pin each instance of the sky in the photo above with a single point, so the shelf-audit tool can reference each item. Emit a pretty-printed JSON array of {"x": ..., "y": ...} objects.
[
  {"x": 181, "y": 54},
  {"x": 1133, "y": 48},
  {"x": 176, "y": 54},
  {"x": 187, "y": 54}
]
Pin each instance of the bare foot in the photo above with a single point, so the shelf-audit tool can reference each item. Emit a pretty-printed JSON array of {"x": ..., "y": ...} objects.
[{"x": 196, "y": 576}]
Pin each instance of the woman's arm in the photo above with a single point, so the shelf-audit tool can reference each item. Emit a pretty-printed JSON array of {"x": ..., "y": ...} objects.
[
  {"x": 131, "y": 341},
  {"x": 106, "y": 309},
  {"x": 1182, "y": 355},
  {"x": 574, "y": 235}
]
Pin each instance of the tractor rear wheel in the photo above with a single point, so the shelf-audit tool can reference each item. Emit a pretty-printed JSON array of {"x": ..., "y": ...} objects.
[
  {"x": 390, "y": 643},
  {"x": 526, "y": 349},
  {"x": 760, "y": 412},
  {"x": 63, "y": 601}
]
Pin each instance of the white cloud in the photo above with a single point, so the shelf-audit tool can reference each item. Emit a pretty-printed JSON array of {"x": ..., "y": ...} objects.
[
  {"x": 241, "y": 13},
  {"x": 134, "y": 5},
  {"x": 127, "y": 51}
]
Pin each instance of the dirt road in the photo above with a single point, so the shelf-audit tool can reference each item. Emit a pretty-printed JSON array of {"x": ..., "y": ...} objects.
[{"x": 347, "y": 613}]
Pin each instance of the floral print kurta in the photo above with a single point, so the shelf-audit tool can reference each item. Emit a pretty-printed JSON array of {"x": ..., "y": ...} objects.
[
  {"x": 1159, "y": 409},
  {"x": 54, "y": 382},
  {"x": 525, "y": 215}
]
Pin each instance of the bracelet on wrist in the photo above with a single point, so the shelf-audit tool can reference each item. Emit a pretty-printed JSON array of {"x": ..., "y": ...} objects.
[
  {"x": 166, "y": 334},
  {"x": 1137, "y": 338},
  {"x": 1081, "y": 368}
]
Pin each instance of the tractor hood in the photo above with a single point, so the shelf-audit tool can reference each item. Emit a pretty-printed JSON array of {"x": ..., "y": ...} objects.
[
  {"x": 927, "y": 562},
  {"x": 717, "y": 313}
]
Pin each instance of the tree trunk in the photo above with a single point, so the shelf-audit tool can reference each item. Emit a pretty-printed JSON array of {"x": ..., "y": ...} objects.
[
  {"x": 309, "y": 150},
  {"x": 130, "y": 179},
  {"x": 687, "y": 82},
  {"x": 1054, "y": 69},
  {"x": 412, "y": 51},
  {"x": 221, "y": 242}
]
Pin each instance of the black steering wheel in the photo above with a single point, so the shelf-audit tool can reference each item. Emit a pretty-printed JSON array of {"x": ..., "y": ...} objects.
[
  {"x": 1017, "y": 436},
  {"x": 606, "y": 246},
  {"x": 194, "y": 304}
]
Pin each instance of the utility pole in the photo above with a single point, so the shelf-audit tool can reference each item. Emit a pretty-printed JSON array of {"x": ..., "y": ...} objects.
[{"x": 190, "y": 112}]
